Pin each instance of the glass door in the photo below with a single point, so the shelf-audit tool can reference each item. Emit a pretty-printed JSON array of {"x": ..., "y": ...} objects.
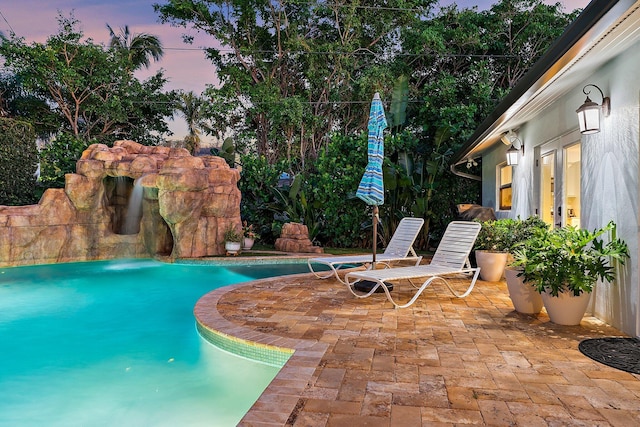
[
  {"x": 559, "y": 183},
  {"x": 547, "y": 187},
  {"x": 572, "y": 166}
]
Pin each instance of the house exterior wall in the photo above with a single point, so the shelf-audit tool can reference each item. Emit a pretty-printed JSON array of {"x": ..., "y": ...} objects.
[{"x": 609, "y": 176}]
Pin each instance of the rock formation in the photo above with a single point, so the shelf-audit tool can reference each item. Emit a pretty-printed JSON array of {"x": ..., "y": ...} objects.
[
  {"x": 186, "y": 205},
  {"x": 295, "y": 238}
]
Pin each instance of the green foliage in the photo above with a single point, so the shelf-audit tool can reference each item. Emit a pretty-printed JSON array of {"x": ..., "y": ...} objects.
[
  {"x": 399, "y": 102},
  {"x": 231, "y": 234},
  {"x": 59, "y": 157},
  {"x": 257, "y": 178},
  {"x": 324, "y": 198},
  {"x": 506, "y": 235},
  {"x": 192, "y": 108},
  {"x": 227, "y": 151},
  {"x": 522, "y": 30},
  {"x": 286, "y": 67},
  {"x": 290, "y": 204},
  {"x": 465, "y": 61},
  {"x": 346, "y": 220},
  {"x": 138, "y": 48},
  {"x": 411, "y": 178},
  {"x": 18, "y": 163},
  {"x": 569, "y": 259},
  {"x": 248, "y": 231},
  {"x": 18, "y": 103}
]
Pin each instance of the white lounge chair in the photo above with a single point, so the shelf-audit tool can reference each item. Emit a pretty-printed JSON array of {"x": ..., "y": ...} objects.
[
  {"x": 451, "y": 258},
  {"x": 400, "y": 248}
]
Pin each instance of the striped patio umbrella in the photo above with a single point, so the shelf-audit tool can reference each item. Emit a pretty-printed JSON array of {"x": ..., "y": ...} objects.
[{"x": 371, "y": 188}]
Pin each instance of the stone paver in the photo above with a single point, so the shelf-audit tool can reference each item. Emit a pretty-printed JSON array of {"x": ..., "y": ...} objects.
[{"x": 443, "y": 361}]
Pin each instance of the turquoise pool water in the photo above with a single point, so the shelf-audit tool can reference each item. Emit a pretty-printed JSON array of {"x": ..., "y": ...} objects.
[{"x": 114, "y": 344}]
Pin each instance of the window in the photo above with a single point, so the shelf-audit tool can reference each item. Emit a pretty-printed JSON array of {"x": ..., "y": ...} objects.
[{"x": 505, "y": 177}]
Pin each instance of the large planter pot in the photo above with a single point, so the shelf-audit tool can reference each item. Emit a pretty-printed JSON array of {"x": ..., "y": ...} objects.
[
  {"x": 247, "y": 243},
  {"x": 525, "y": 298},
  {"x": 491, "y": 264},
  {"x": 232, "y": 248},
  {"x": 566, "y": 308}
]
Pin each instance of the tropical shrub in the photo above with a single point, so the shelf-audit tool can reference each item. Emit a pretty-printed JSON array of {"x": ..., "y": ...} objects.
[
  {"x": 18, "y": 163},
  {"x": 257, "y": 179},
  {"x": 59, "y": 157},
  {"x": 291, "y": 204},
  {"x": 506, "y": 234},
  {"x": 346, "y": 220},
  {"x": 570, "y": 259}
]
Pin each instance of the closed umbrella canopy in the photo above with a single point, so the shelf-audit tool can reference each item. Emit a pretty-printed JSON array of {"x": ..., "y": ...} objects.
[{"x": 371, "y": 188}]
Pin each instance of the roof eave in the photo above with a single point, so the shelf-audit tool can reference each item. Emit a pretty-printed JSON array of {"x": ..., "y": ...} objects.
[{"x": 572, "y": 35}]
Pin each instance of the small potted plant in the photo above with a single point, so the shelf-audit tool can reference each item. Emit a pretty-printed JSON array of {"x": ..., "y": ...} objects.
[
  {"x": 563, "y": 264},
  {"x": 492, "y": 248},
  {"x": 250, "y": 236},
  {"x": 232, "y": 240}
]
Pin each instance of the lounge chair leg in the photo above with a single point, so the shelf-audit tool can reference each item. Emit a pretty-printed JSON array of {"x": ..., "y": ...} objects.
[
  {"x": 332, "y": 272},
  {"x": 469, "y": 289}
]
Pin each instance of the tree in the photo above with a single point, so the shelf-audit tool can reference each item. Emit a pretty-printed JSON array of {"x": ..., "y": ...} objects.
[
  {"x": 139, "y": 48},
  {"x": 463, "y": 61},
  {"x": 293, "y": 72},
  {"x": 191, "y": 107},
  {"x": 521, "y": 31},
  {"x": 18, "y": 103},
  {"x": 89, "y": 87}
]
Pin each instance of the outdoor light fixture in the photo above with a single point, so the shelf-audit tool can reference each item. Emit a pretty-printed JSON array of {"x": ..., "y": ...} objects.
[
  {"x": 589, "y": 112},
  {"x": 511, "y": 138},
  {"x": 512, "y": 156},
  {"x": 471, "y": 163}
]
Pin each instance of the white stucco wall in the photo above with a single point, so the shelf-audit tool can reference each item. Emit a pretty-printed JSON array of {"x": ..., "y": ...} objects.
[{"x": 610, "y": 176}]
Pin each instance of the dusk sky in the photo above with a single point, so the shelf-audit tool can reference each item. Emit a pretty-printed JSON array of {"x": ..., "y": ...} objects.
[{"x": 184, "y": 65}]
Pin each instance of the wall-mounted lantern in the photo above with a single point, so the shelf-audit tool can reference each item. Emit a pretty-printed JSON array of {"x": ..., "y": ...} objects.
[{"x": 589, "y": 112}]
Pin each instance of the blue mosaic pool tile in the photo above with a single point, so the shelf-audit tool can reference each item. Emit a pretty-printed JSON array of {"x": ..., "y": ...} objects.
[{"x": 267, "y": 354}]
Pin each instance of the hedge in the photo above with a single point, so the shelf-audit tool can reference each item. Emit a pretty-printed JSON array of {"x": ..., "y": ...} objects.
[{"x": 18, "y": 163}]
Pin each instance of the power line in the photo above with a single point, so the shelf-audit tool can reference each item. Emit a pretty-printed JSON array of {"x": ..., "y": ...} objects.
[
  {"x": 337, "y": 52},
  {"x": 409, "y": 101},
  {"x": 386, "y": 8},
  {"x": 5, "y": 20}
]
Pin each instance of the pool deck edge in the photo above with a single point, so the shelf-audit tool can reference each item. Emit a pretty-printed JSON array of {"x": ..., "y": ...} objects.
[{"x": 278, "y": 401}]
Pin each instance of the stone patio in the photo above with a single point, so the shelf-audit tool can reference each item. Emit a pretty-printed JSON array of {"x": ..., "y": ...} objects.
[{"x": 442, "y": 362}]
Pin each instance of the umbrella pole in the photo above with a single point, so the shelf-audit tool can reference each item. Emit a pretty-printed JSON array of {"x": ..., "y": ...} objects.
[{"x": 375, "y": 234}]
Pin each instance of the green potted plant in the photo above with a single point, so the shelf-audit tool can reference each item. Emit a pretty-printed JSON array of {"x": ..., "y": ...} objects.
[
  {"x": 524, "y": 297},
  {"x": 492, "y": 248},
  {"x": 232, "y": 240},
  {"x": 563, "y": 264},
  {"x": 249, "y": 236}
]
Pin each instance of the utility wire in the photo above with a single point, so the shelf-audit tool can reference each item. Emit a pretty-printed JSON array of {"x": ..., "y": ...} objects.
[
  {"x": 359, "y": 53},
  {"x": 253, "y": 103},
  {"x": 5, "y": 20},
  {"x": 386, "y": 8}
]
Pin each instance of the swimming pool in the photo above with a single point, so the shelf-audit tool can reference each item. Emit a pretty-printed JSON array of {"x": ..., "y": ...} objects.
[{"x": 114, "y": 343}]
